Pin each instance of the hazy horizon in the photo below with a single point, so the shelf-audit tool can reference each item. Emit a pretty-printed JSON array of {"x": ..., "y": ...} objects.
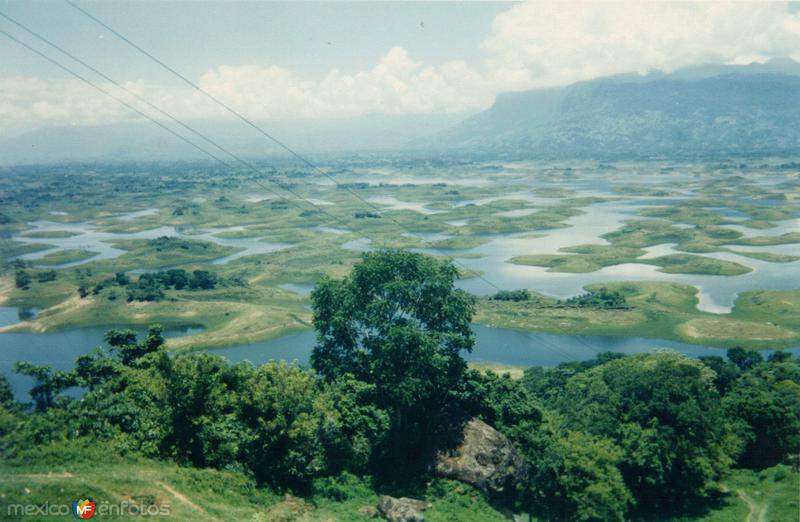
[{"x": 341, "y": 60}]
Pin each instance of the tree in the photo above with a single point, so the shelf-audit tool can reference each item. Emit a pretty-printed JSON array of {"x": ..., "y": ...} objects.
[
  {"x": 47, "y": 276},
  {"x": 124, "y": 343},
  {"x": 281, "y": 418},
  {"x": 764, "y": 404},
  {"x": 512, "y": 295},
  {"x": 397, "y": 322},
  {"x": 6, "y": 393},
  {"x": 726, "y": 372},
  {"x": 744, "y": 359},
  {"x": 49, "y": 383},
  {"x": 355, "y": 426},
  {"x": 22, "y": 279},
  {"x": 202, "y": 280},
  {"x": 578, "y": 479},
  {"x": 203, "y": 395},
  {"x": 663, "y": 411},
  {"x": 122, "y": 279}
]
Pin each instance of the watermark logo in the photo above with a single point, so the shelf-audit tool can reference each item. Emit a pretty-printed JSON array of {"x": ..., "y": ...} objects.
[{"x": 84, "y": 508}]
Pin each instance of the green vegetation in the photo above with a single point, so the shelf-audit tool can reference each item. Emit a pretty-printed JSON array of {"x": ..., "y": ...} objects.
[
  {"x": 199, "y": 199},
  {"x": 168, "y": 251},
  {"x": 783, "y": 239},
  {"x": 762, "y": 319},
  {"x": 601, "y": 298},
  {"x": 770, "y": 257},
  {"x": 65, "y": 256},
  {"x": 459, "y": 242},
  {"x": 512, "y": 295},
  {"x": 655, "y": 435},
  {"x": 591, "y": 258},
  {"x": 595, "y": 257},
  {"x": 51, "y": 234}
]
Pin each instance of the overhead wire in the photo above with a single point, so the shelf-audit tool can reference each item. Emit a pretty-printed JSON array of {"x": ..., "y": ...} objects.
[{"x": 202, "y": 136}]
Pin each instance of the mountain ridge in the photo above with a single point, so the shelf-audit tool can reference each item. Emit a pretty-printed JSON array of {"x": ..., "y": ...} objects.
[{"x": 714, "y": 110}]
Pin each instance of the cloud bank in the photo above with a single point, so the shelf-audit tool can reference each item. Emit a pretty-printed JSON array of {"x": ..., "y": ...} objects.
[
  {"x": 530, "y": 45},
  {"x": 547, "y": 44}
]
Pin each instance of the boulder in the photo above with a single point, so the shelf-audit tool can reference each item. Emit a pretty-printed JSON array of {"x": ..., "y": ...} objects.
[
  {"x": 485, "y": 459},
  {"x": 402, "y": 509}
]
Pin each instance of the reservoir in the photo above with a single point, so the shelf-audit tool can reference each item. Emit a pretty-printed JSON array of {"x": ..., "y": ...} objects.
[{"x": 496, "y": 345}]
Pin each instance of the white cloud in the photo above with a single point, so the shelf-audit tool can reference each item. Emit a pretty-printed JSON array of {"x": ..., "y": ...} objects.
[
  {"x": 530, "y": 45},
  {"x": 541, "y": 44},
  {"x": 395, "y": 85}
]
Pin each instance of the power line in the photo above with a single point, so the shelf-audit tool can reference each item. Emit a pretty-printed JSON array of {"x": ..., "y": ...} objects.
[
  {"x": 264, "y": 133},
  {"x": 154, "y": 107},
  {"x": 193, "y": 131},
  {"x": 256, "y": 127},
  {"x": 132, "y": 93},
  {"x": 107, "y": 93}
]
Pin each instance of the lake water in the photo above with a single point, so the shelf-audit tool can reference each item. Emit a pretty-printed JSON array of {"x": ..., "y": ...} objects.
[
  {"x": 56, "y": 349},
  {"x": 498, "y": 345},
  {"x": 536, "y": 187},
  {"x": 88, "y": 236},
  {"x": 716, "y": 293}
]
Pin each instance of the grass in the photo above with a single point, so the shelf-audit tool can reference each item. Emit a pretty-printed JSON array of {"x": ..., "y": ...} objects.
[
  {"x": 157, "y": 253},
  {"x": 65, "y": 256},
  {"x": 193, "y": 197},
  {"x": 55, "y": 234},
  {"x": 228, "y": 316},
  {"x": 769, "y": 495},
  {"x": 459, "y": 242},
  {"x": 10, "y": 249},
  {"x": 691, "y": 264},
  {"x": 590, "y": 258},
  {"x": 762, "y": 319},
  {"x": 770, "y": 257},
  {"x": 783, "y": 239},
  {"x": 59, "y": 474},
  {"x": 515, "y": 372}
]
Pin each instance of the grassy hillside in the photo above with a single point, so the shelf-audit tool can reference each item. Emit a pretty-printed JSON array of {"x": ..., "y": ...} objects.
[{"x": 60, "y": 473}]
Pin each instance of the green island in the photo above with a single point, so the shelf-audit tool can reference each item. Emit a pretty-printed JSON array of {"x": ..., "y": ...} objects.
[
  {"x": 595, "y": 257},
  {"x": 65, "y": 256},
  {"x": 761, "y": 319},
  {"x": 216, "y": 217}
]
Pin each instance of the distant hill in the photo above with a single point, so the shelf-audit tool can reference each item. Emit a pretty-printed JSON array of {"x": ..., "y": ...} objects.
[
  {"x": 145, "y": 141},
  {"x": 752, "y": 109},
  {"x": 697, "y": 111}
]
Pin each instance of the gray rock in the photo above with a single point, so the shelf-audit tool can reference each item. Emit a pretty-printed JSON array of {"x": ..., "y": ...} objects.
[
  {"x": 402, "y": 509},
  {"x": 485, "y": 459}
]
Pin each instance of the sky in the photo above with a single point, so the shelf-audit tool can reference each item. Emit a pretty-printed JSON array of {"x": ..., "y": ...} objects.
[{"x": 328, "y": 60}]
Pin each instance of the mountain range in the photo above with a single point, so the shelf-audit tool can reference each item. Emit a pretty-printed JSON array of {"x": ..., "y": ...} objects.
[
  {"x": 713, "y": 110},
  {"x": 702, "y": 111}
]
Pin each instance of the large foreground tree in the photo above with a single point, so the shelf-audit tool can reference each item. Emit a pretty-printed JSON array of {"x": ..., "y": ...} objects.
[{"x": 397, "y": 322}]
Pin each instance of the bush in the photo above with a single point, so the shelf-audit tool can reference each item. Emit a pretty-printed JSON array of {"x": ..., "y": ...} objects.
[
  {"x": 602, "y": 298},
  {"x": 512, "y": 295}
]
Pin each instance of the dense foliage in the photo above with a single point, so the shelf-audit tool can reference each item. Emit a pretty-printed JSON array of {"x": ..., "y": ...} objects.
[
  {"x": 512, "y": 295},
  {"x": 397, "y": 323},
  {"x": 601, "y": 298},
  {"x": 151, "y": 286},
  {"x": 606, "y": 439}
]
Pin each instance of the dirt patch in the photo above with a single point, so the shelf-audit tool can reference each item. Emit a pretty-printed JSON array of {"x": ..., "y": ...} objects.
[
  {"x": 183, "y": 498},
  {"x": 6, "y": 287}
]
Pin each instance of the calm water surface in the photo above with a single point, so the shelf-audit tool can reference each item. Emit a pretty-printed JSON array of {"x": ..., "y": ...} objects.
[{"x": 498, "y": 345}]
